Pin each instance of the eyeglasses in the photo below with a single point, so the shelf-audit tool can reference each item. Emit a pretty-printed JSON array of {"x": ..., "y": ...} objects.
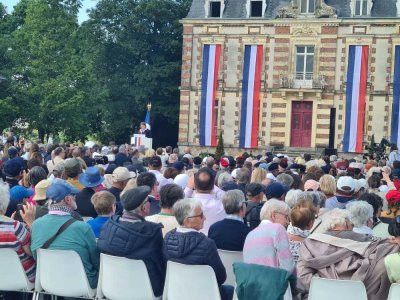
[
  {"x": 282, "y": 214},
  {"x": 200, "y": 215}
]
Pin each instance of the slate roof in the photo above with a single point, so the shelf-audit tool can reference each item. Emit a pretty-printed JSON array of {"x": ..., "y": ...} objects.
[{"x": 236, "y": 9}]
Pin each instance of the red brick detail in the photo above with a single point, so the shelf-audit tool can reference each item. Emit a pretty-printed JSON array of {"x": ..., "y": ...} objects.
[
  {"x": 323, "y": 117},
  {"x": 327, "y": 59},
  {"x": 282, "y": 30},
  {"x": 278, "y": 134},
  {"x": 187, "y": 29},
  {"x": 328, "y": 40},
  {"x": 278, "y": 115},
  {"x": 278, "y": 124},
  {"x": 329, "y": 30}
]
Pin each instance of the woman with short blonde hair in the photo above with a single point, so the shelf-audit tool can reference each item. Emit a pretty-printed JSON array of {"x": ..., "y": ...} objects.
[{"x": 258, "y": 175}]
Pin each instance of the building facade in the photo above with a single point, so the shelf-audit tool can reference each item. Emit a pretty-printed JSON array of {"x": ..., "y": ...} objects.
[{"x": 292, "y": 74}]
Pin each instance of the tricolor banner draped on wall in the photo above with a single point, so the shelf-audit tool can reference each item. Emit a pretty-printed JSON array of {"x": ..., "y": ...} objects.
[
  {"x": 355, "y": 99},
  {"x": 250, "y": 96},
  {"x": 208, "y": 118},
  {"x": 395, "y": 134}
]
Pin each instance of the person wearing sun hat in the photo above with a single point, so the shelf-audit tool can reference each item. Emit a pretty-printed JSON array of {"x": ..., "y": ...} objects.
[
  {"x": 133, "y": 237},
  {"x": 40, "y": 198},
  {"x": 90, "y": 180}
]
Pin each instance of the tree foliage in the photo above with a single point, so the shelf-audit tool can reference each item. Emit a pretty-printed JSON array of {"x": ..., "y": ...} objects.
[{"x": 94, "y": 78}]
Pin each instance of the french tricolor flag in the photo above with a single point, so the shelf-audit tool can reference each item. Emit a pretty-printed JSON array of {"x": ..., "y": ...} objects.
[
  {"x": 250, "y": 96},
  {"x": 355, "y": 99},
  {"x": 208, "y": 118},
  {"x": 395, "y": 134}
]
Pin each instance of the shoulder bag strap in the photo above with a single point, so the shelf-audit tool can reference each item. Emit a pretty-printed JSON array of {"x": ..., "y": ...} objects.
[{"x": 59, "y": 231}]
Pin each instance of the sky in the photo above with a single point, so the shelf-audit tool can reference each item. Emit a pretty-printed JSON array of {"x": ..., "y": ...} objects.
[{"x": 86, "y": 4}]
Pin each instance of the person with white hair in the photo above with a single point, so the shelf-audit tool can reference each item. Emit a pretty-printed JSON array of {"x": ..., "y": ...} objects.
[
  {"x": 274, "y": 250},
  {"x": 361, "y": 216},
  {"x": 187, "y": 245},
  {"x": 292, "y": 197}
]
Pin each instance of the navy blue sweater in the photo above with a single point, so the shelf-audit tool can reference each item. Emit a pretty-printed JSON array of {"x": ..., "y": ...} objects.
[{"x": 229, "y": 234}]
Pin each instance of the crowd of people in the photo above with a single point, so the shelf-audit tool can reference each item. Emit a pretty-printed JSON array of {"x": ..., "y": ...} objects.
[{"x": 326, "y": 217}]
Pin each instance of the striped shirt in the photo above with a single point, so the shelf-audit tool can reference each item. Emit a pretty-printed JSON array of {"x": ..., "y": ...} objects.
[
  {"x": 268, "y": 245},
  {"x": 14, "y": 235}
]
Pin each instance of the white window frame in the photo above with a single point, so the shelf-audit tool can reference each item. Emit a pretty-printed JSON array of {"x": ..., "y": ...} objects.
[
  {"x": 354, "y": 13},
  {"x": 207, "y": 8},
  {"x": 248, "y": 8},
  {"x": 307, "y": 12},
  {"x": 304, "y": 79}
]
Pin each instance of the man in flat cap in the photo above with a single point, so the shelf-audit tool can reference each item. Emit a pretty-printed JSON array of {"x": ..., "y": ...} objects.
[{"x": 133, "y": 237}]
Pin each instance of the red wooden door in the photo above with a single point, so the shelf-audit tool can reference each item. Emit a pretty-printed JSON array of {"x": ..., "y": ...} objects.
[{"x": 301, "y": 124}]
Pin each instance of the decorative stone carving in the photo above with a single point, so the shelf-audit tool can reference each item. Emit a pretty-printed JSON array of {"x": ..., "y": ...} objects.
[
  {"x": 287, "y": 11},
  {"x": 305, "y": 30},
  {"x": 325, "y": 11}
]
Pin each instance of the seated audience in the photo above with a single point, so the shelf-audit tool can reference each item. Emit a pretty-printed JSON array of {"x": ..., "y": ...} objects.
[
  {"x": 393, "y": 200},
  {"x": 255, "y": 196},
  {"x": 40, "y": 198},
  {"x": 341, "y": 253},
  {"x": 169, "y": 195},
  {"x": 187, "y": 245},
  {"x": 15, "y": 235},
  {"x": 268, "y": 244},
  {"x": 105, "y": 206},
  {"x": 361, "y": 214},
  {"x": 302, "y": 220},
  {"x": 379, "y": 228},
  {"x": 133, "y": 237},
  {"x": 276, "y": 191},
  {"x": 149, "y": 179},
  {"x": 392, "y": 261},
  {"x": 90, "y": 180},
  {"x": 78, "y": 236},
  {"x": 230, "y": 233}
]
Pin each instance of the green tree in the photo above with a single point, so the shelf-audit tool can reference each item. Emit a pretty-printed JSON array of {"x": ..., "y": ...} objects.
[
  {"x": 138, "y": 59},
  {"x": 220, "y": 151}
]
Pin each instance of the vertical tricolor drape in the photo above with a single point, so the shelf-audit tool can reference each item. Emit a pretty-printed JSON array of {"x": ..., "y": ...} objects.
[
  {"x": 395, "y": 134},
  {"x": 250, "y": 96},
  {"x": 208, "y": 118},
  {"x": 355, "y": 99}
]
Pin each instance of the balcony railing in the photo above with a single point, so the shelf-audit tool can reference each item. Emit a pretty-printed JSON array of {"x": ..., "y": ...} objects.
[{"x": 302, "y": 81}]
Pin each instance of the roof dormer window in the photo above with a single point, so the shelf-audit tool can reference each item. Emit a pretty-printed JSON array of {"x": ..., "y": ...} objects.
[
  {"x": 361, "y": 8},
  {"x": 256, "y": 8},
  {"x": 214, "y": 9},
  {"x": 307, "y": 6}
]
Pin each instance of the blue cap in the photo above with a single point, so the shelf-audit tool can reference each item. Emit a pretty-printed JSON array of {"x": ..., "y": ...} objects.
[
  {"x": 59, "y": 189},
  {"x": 179, "y": 165},
  {"x": 275, "y": 190},
  {"x": 18, "y": 193},
  {"x": 12, "y": 168}
]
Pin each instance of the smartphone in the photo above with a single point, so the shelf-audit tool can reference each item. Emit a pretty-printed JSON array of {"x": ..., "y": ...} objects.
[{"x": 18, "y": 215}]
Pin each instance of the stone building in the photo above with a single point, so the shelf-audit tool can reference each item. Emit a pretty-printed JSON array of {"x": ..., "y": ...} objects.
[{"x": 301, "y": 61}]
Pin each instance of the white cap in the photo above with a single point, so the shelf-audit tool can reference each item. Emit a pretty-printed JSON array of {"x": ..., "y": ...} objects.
[{"x": 346, "y": 184}]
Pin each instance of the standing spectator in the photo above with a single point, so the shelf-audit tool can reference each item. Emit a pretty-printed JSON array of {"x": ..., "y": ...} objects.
[
  {"x": 243, "y": 177},
  {"x": 78, "y": 237},
  {"x": 268, "y": 244},
  {"x": 327, "y": 185},
  {"x": 379, "y": 228},
  {"x": 150, "y": 180},
  {"x": 104, "y": 204},
  {"x": 393, "y": 210},
  {"x": 58, "y": 156},
  {"x": 187, "y": 245},
  {"x": 120, "y": 177},
  {"x": 90, "y": 180},
  {"x": 392, "y": 261},
  {"x": 122, "y": 156},
  {"x": 169, "y": 195},
  {"x": 133, "y": 237},
  {"x": 230, "y": 233},
  {"x": 155, "y": 166}
]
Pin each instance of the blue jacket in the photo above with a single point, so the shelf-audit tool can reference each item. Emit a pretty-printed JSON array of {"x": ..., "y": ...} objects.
[
  {"x": 194, "y": 248},
  {"x": 139, "y": 240},
  {"x": 229, "y": 234}
]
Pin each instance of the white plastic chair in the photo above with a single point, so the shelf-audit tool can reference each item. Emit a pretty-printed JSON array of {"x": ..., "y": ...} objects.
[
  {"x": 228, "y": 258},
  {"x": 15, "y": 279},
  {"x": 394, "y": 292},
  {"x": 132, "y": 282},
  {"x": 331, "y": 289},
  {"x": 61, "y": 273},
  {"x": 194, "y": 282}
]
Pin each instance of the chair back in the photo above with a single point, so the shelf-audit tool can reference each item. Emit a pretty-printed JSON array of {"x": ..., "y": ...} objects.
[
  {"x": 132, "y": 281},
  {"x": 61, "y": 273},
  {"x": 331, "y": 289},
  {"x": 194, "y": 282},
  {"x": 15, "y": 279},
  {"x": 228, "y": 258},
  {"x": 394, "y": 292}
]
